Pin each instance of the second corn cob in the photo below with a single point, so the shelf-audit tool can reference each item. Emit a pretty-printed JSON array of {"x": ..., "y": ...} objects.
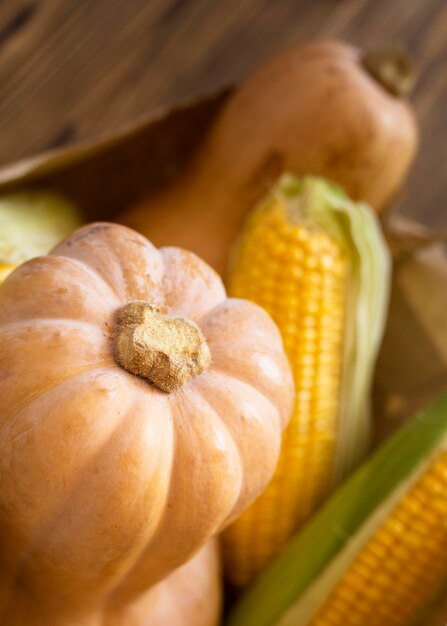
[
  {"x": 376, "y": 553},
  {"x": 33, "y": 222},
  {"x": 5, "y": 269},
  {"x": 314, "y": 261}
]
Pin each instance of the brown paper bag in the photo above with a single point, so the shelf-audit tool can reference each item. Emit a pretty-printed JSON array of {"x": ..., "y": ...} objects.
[
  {"x": 105, "y": 176},
  {"x": 412, "y": 364}
]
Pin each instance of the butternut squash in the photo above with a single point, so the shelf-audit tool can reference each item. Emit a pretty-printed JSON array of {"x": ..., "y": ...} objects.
[{"x": 323, "y": 108}]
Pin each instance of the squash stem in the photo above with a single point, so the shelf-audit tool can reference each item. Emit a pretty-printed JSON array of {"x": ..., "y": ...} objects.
[
  {"x": 392, "y": 68},
  {"x": 166, "y": 351}
]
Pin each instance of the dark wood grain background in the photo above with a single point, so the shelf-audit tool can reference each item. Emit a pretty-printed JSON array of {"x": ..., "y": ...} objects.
[{"x": 75, "y": 69}]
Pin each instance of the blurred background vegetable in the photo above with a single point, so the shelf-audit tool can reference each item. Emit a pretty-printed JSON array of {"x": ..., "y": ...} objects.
[
  {"x": 5, "y": 269},
  {"x": 317, "y": 109},
  {"x": 31, "y": 223}
]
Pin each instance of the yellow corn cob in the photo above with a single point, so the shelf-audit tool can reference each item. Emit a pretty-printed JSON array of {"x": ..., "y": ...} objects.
[
  {"x": 5, "y": 269},
  {"x": 319, "y": 265},
  {"x": 298, "y": 273},
  {"x": 403, "y": 565}
]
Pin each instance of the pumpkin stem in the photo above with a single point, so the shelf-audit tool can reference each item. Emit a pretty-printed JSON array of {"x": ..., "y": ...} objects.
[
  {"x": 392, "y": 68},
  {"x": 167, "y": 351}
]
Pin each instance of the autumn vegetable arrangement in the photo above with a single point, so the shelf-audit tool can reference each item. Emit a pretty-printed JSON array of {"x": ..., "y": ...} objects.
[{"x": 148, "y": 413}]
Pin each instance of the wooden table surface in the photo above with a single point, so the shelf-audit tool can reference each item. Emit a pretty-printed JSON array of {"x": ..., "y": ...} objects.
[{"x": 71, "y": 70}]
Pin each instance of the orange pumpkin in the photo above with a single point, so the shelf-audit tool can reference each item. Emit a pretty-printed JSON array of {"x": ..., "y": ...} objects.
[
  {"x": 109, "y": 479},
  {"x": 190, "y": 596}
]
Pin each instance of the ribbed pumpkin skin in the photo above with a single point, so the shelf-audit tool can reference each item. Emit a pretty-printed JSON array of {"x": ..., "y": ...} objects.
[
  {"x": 190, "y": 596},
  {"x": 106, "y": 483}
]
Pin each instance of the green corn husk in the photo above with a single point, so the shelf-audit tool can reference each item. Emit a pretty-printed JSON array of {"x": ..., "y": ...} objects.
[{"x": 299, "y": 586}]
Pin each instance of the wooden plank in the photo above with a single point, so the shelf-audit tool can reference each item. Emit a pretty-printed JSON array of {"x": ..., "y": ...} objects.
[{"x": 73, "y": 69}]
